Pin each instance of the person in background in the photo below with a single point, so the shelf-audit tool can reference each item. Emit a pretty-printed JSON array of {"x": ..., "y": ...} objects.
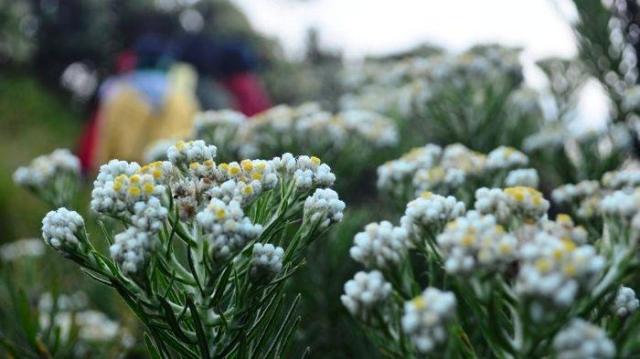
[
  {"x": 158, "y": 87},
  {"x": 231, "y": 63},
  {"x": 156, "y": 100}
]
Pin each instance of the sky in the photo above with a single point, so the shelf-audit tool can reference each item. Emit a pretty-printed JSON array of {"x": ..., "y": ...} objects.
[
  {"x": 361, "y": 27},
  {"x": 374, "y": 27}
]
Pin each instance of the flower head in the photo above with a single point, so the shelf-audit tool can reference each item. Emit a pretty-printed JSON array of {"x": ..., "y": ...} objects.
[
  {"x": 132, "y": 249},
  {"x": 429, "y": 212},
  {"x": 226, "y": 227},
  {"x": 324, "y": 207},
  {"x": 380, "y": 245},
  {"x": 426, "y": 318},
  {"x": 581, "y": 339},
  {"x": 364, "y": 292},
  {"x": 183, "y": 153},
  {"x": 475, "y": 242},
  {"x": 64, "y": 230},
  {"x": 266, "y": 261}
]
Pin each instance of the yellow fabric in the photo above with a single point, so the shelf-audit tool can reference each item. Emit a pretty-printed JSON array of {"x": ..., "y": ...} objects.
[{"x": 129, "y": 124}]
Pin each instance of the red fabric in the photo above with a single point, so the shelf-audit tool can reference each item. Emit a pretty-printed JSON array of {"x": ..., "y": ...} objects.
[
  {"x": 88, "y": 143},
  {"x": 126, "y": 61},
  {"x": 250, "y": 96}
]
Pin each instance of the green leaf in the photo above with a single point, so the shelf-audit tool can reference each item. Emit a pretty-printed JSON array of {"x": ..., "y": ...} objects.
[{"x": 153, "y": 352}]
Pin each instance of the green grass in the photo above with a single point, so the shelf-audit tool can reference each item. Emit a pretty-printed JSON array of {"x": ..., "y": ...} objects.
[{"x": 33, "y": 121}]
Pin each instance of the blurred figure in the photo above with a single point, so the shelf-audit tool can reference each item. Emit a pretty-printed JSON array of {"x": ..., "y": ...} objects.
[
  {"x": 233, "y": 64},
  {"x": 160, "y": 83},
  {"x": 146, "y": 104}
]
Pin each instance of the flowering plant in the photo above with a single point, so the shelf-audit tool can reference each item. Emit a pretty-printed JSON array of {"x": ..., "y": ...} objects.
[
  {"x": 454, "y": 169},
  {"x": 352, "y": 141},
  {"x": 501, "y": 279},
  {"x": 201, "y": 251},
  {"x": 54, "y": 177},
  {"x": 477, "y": 98}
]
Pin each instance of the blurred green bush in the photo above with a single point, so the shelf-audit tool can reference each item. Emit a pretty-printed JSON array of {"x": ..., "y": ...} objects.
[{"x": 33, "y": 121}]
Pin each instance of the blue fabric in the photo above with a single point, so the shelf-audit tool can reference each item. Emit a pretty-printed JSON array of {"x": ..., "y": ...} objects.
[{"x": 151, "y": 84}]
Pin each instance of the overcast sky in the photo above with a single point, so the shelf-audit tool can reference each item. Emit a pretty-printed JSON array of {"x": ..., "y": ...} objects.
[{"x": 362, "y": 27}]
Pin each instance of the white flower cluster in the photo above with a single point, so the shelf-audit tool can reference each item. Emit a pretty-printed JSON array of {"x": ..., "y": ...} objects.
[
  {"x": 524, "y": 203},
  {"x": 621, "y": 203},
  {"x": 132, "y": 249},
  {"x": 527, "y": 177},
  {"x": 104, "y": 197},
  {"x": 308, "y": 126},
  {"x": 394, "y": 173},
  {"x": 214, "y": 120},
  {"x": 220, "y": 127},
  {"x": 375, "y": 128},
  {"x": 426, "y": 318},
  {"x": 149, "y": 216},
  {"x": 581, "y": 339},
  {"x": 323, "y": 207},
  {"x": 381, "y": 245},
  {"x": 549, "y": 137},
  {"x": 475, "y": 242},
  {"x": 628, "y": 178},
  {"x": 506, "y": 157},
  {"x": 555, "y": 270},
  {"x": 44, "y": 169},
  {"x": 574, "y": 193},
  {"x": 92, "y": 325},
  {"x": 133, "y": 193},
  {"x": 226, "y": 227},
  {"x": 399, "y": 87},
  {"x": 182, "y": 154},
  {"x": 306, "y": 172},
  {"x": 63, "y": 230},
  {"x": 432, "y": 168},
  {"x": 266, "y": 260},
  {"x": 22, "y": 248},
  {"x": 364, "y": 292},
  {"x": 625, "y": 302},
  {"x": 564, "y": 227},
  {"x": 157, "y": 150},
  {"x": 429, "y": 212},
  {"x": 242, "y": 181}
]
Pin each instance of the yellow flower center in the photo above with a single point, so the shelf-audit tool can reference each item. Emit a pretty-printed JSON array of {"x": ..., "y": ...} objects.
[
  {"x": 419, "y": 302},
  {"x": 148, "y": 188},
  {"x": 543, "y": 265},
  {"x": 134, "y": 191},
  {"x": 247, "y": 165}
]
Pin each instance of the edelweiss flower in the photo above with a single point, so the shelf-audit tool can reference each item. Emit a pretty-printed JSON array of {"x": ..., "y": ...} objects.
[
  {"x": 626, "y": 302},
  {"x": 581, "y": 339},
  {"x": 226, "y": 227},
  {"x": 506, "y": 157},
  {"x": 380, "y": 245},
  {"x": 555, "y": 269},
  {"x": 429, "y": 212},
  {"x": 426, "y": 318},
  {"x": 522, "y": 177},
  {"x": 266, "y": 261},
  {"x": 364, "y": 292},
  {"x": 132, "y": 249},
  {"x": 64, "y": 230},
  {"x": 324, "y": 207},
  {"x": 183, "y": 153},
  {"x": 476, "y": 242},
  {"x": 44, "y": 169}
]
